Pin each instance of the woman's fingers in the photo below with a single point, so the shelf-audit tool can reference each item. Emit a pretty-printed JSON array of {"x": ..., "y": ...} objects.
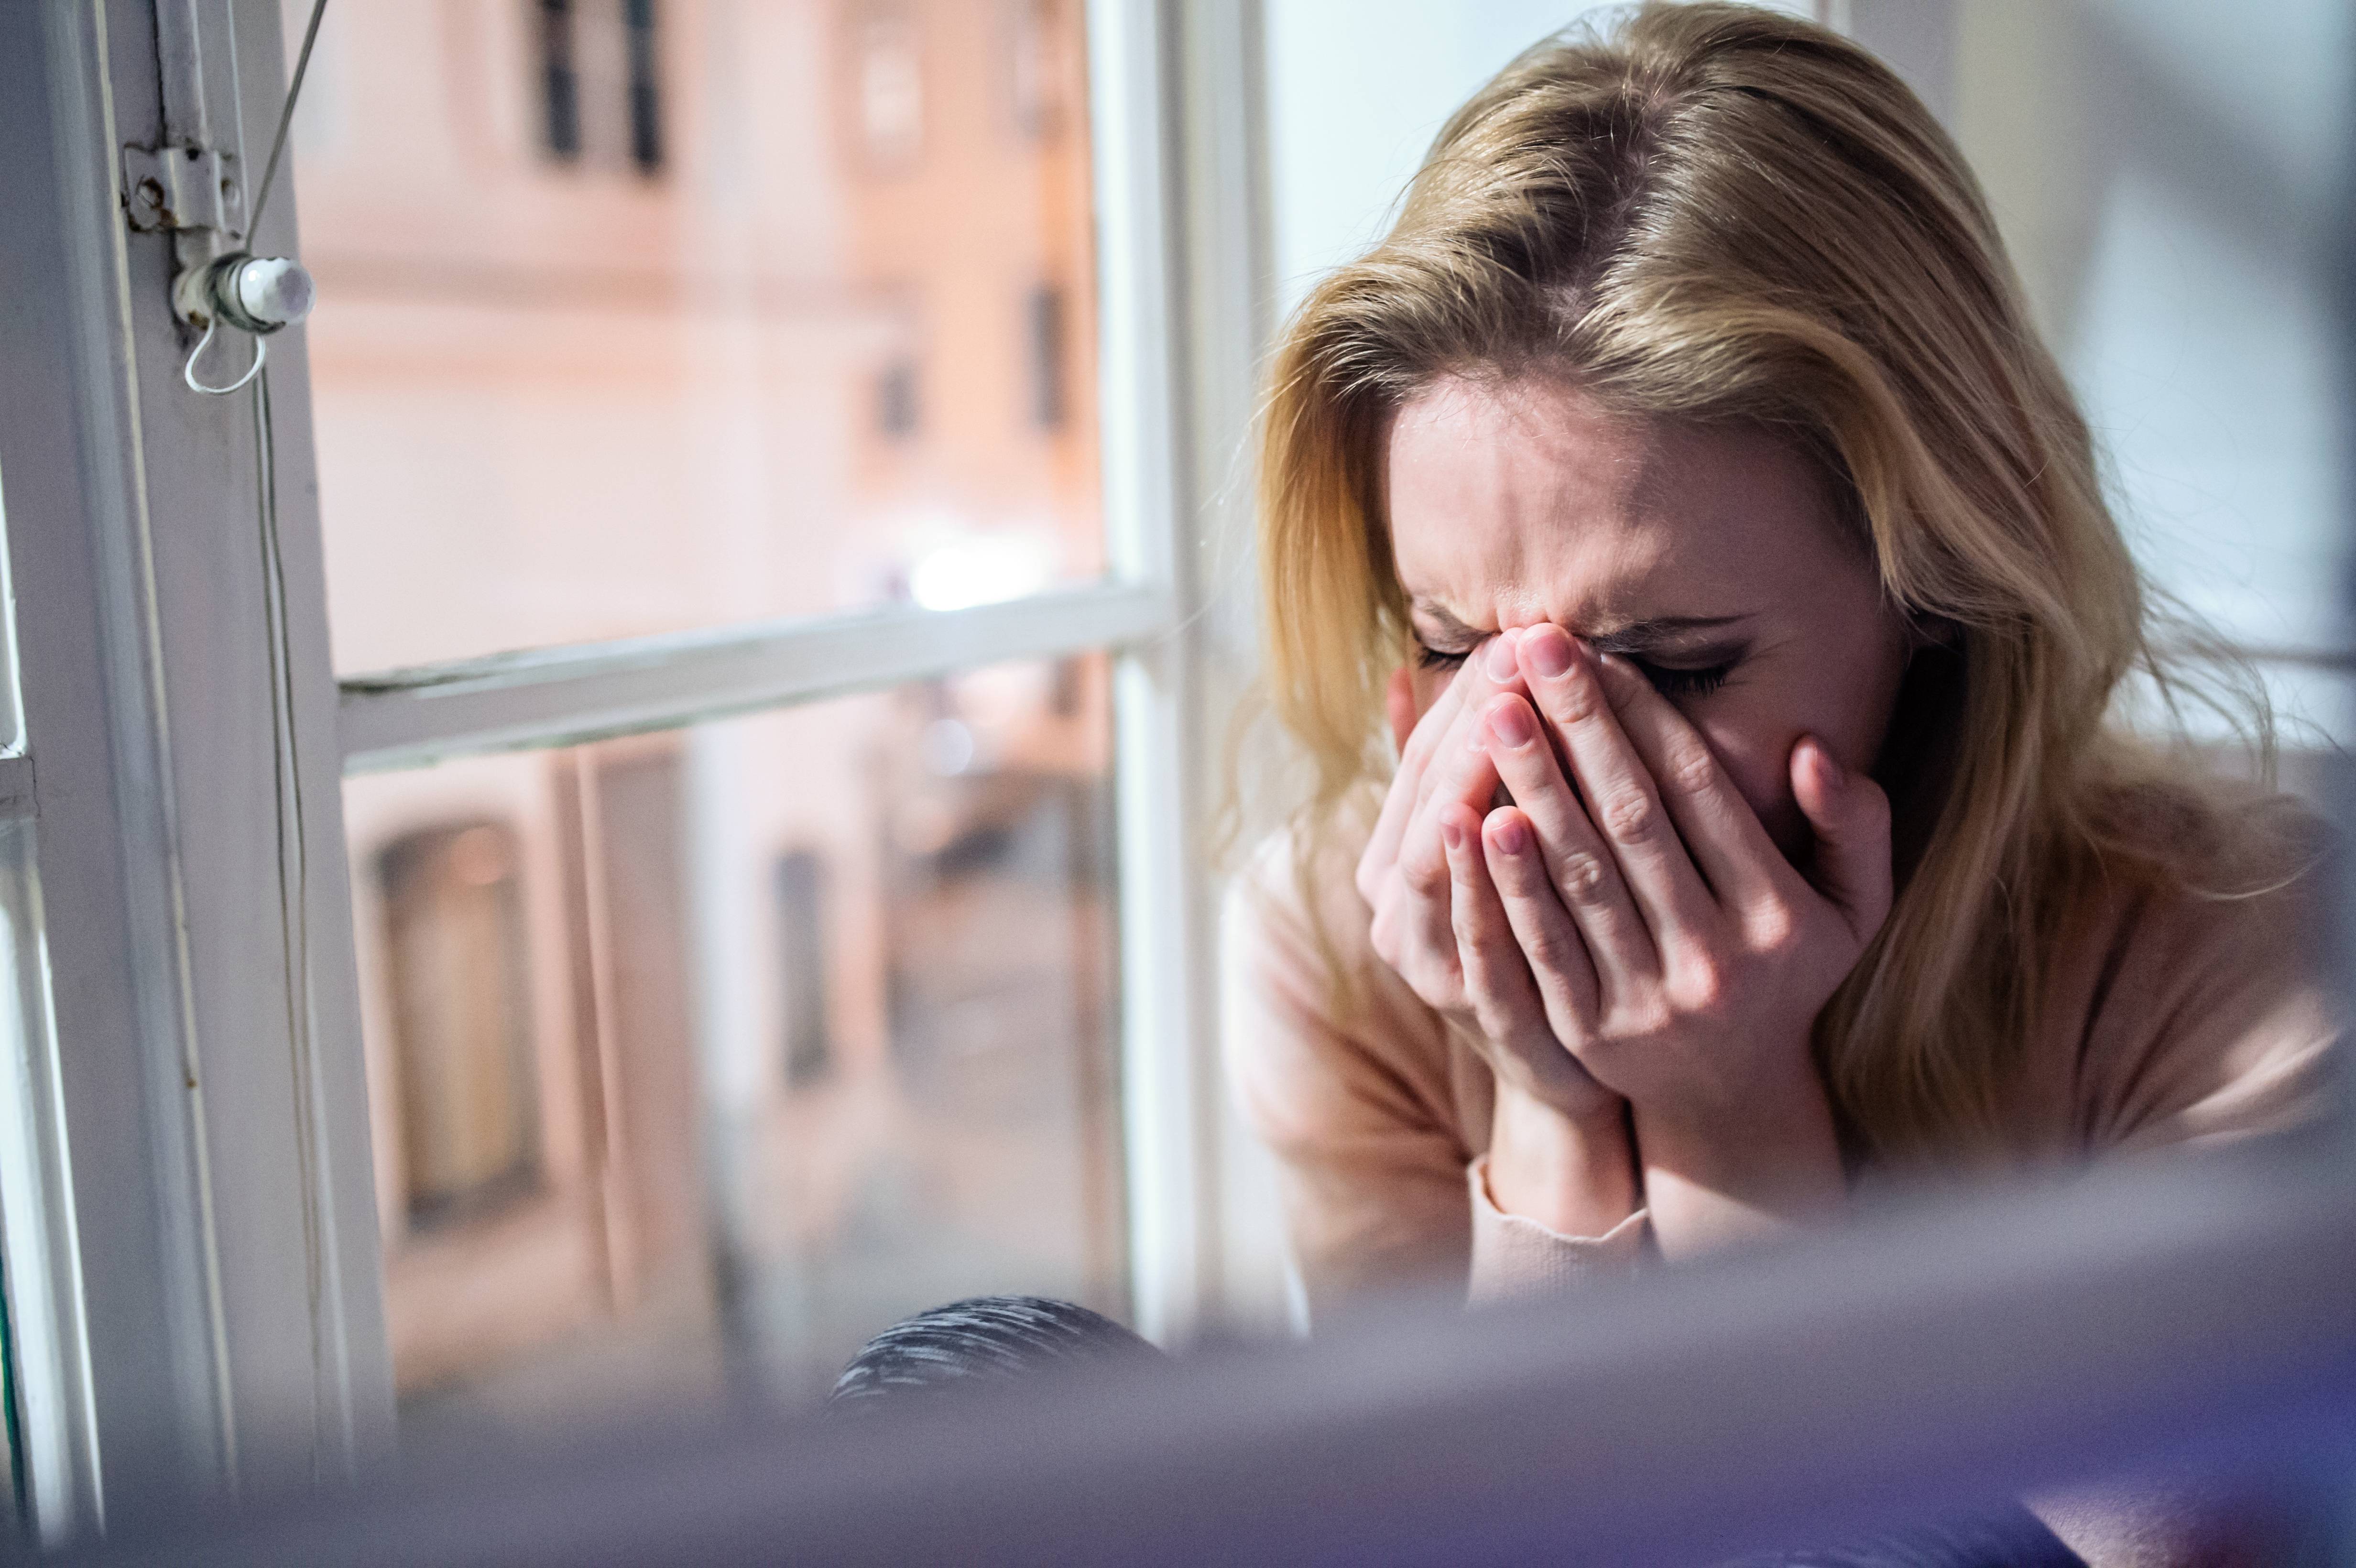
[
  {"x": 1615, "y": 784},
  {"x": 1851, "y": 819},
  {"x": 1506, "y": 994},
  {"x": 1490, "y": 668},
  {"x": 1497, "y": 983},
  {"x": 1557, "y": 960},
  {"x": 1721, "y": 833},
  {"x": 1567, "y": 851},
  {"x": 1465, "y": 780},
  {"x": 1437, "y": 736},
  {"x": 1380, "y": 857}
]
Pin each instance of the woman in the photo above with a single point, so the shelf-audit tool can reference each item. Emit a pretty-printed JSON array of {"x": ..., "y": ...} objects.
[{"x": 1689, "y": 442}]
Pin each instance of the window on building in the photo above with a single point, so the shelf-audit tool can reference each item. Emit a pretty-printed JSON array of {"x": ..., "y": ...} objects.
[
  {"x": 1048, "y": 397},
  {"x": 803, "y": 966},
  {"x": 646, "y": 88},
  {"x": 560, "y": 80},
  {"x": 897, "y": 407},
  {"x": 891, "y": 88},
  {"x": 600, "y": 83},
  {"x": 460, "y": 1018},
  {"x": 1045, "y": 70}
]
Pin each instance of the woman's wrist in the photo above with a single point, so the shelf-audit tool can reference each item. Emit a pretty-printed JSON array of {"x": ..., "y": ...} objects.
[
  {"x": 1574, "y": 1173},
  {"x": 1710, "y": 1182}
]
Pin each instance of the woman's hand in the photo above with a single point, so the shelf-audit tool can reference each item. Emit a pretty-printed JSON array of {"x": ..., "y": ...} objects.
[
  {"x": 1558, "y": 1145},
  {"x": 1669, "y": 945}
]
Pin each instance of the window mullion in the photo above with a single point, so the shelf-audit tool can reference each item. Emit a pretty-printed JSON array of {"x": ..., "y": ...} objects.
[
  {"x": 1183, "y": 319},
  {"x": 561, "y": 696}
]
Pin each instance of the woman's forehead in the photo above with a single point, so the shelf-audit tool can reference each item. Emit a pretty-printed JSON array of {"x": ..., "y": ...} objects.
[{"x": 1523, "y": 501}]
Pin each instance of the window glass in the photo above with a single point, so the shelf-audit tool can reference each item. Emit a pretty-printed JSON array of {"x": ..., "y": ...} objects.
[
  {"x": 40, "y": 1375},
  {"x": 698, "y": 1058},
  {"x": 2166, "y": 175},
  {"x": 637, "y": 315}
]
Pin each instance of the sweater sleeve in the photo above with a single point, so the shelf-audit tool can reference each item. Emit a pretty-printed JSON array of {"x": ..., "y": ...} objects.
[
  {"x": 1517, "y": 1260},
  {"x": 2210, "y": 1022},
  {"x": 1347, "y": 1079},
  {"x": 1374, "y": 1111}
]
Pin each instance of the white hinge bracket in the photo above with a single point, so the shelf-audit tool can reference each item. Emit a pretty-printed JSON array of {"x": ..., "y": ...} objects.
[{"x": 181, "y": 189}]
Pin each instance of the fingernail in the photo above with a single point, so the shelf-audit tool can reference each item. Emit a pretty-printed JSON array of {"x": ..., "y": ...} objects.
[
  {"x": 1510, "y": 723},
  {"x": 1511, "y": 836},
  {"x": 1549, "y": 652},
  {"x": 1502, "y": 665},
  {"x": 1832, "y": 772},
  {"x": 1452, "y": 833}
]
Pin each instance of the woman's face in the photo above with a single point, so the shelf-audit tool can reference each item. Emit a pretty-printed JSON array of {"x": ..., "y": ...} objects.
[{"x": 1707, "y": 557}]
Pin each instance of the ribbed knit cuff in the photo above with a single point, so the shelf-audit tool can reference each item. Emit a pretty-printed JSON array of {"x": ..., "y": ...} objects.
[{"x": 1517, "y": 1261}]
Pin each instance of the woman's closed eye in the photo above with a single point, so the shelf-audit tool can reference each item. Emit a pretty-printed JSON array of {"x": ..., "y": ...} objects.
[
  {"x": 1673, "y": 683},
  {"x": 1429, "y": 658}
]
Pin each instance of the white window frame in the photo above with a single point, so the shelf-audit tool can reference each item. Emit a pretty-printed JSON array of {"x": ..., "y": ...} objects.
[
  {"x": 205, "y": 1253},
  {"x": 204, "y": 1146}
]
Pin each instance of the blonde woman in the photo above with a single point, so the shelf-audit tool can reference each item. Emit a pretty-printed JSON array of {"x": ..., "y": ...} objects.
[{"x": 1689, "y": 446}]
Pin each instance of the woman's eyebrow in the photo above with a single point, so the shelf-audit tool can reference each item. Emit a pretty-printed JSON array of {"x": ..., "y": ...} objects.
[
  {"x": 1640, "y": 636},
  {"x": 1444, "y": 622},
  {"x": 1634, "y": 637}
]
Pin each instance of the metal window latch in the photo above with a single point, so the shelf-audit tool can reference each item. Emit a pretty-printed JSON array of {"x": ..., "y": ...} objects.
[
  {"x": 182, "y": 189},
  {"x": 193, "y": 194},
  {"x": 189, "y": 189}
]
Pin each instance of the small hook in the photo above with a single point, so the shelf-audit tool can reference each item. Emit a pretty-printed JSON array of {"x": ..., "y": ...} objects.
[{"x": 188, "y": 371}]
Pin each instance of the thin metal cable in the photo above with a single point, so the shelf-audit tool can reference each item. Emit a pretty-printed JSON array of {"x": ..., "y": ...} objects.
[
  {"x": 294, "y": 879},
  {"x": 253, "y": 223},
  {"x": 285, "y": 118}
]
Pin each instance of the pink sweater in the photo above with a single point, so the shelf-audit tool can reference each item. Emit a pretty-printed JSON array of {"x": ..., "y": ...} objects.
[{"x": 2179, "y": 1020}]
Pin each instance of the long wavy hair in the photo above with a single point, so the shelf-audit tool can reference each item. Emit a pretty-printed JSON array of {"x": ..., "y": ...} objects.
[{"x": 1716, "y": 213}]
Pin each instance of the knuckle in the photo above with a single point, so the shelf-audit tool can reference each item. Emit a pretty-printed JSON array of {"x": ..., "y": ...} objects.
[
  {"x": 1774, "y": 931},
  {"x": 1549, "y": 951},
  {"x": 1469, "y": 765},
  {"x": 1628, "y": 815},
  {"x": 1581, "y": 877},
  {"x": 1701, "y": 989},
  {"x": 1435, "y": 979},
  {"x": 1470, "y": 929},
  {"x": 1574, "y": 700},
  {"x": 1691, "y": 771},
  {"x": 1647, "y": 1018}
]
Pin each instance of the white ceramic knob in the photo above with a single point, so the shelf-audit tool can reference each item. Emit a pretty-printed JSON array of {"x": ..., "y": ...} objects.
[{"x": 274, "y": 290}]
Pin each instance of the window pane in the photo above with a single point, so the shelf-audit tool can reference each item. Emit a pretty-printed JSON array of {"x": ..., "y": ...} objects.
[
  {"x": 699, "y": 1057},
  {"x": 43, "y": 1372},
  {"x": 2178, "y": 259},
  {"x": 637, "y": 315}
]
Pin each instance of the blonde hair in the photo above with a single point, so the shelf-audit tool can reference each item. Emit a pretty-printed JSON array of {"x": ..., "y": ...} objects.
[{"x": 1723, "y": 214}]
